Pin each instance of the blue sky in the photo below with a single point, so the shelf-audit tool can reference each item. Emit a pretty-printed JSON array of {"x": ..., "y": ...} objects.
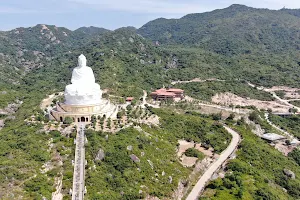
[{"x": 112, "y": 14}]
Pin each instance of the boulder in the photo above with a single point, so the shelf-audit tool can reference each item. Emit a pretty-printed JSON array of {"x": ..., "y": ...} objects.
[
  {"x": 170, "y": 179},
  {"x": 289, "y": 173},
  {"x": 100, "y": 155},
  {"x": 134, "y": 158}
]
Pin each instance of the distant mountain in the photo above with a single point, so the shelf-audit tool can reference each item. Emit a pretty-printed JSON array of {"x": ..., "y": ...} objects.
[
  {"x": 23, "y": 49},
  {"x": 234, "y": 30},
  {"x": 238, "y": 42},
  {"x": 122, "y": 61},
  {"x": 92, "y": 30}
]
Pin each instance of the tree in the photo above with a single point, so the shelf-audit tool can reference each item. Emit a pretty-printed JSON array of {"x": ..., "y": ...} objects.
[
  {"x": 231, "y": 116},
  {"x": 293, "y": 110},
  {"x": 295, "y": 154},
  {"x": 68, "y": 120},
  {"x": 253, "y": 116}
]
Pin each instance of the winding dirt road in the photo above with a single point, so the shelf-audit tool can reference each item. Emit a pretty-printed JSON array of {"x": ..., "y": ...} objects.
[
  {"x": 198, "y": 188},
  {"x": 286, "y": 102}
]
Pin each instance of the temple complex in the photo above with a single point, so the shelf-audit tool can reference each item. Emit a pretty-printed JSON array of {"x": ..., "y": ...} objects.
[
  {"x": 167, "y": 94},
  {"x": 83, "y": 97}
]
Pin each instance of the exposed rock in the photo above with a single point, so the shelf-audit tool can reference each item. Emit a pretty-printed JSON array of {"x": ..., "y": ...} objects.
[
  {"x": 150, "y": 163},
  {"x": 131, "y": 40},
  {"x": 142, "y": 47},
  {"x": 100, "y": 155},
  {"x": 170, "y": 179},
  {"x": 289, "y": 173},
  {"x": 163, "y": 173},
  {"x": 20, "y": 53},
  {"x": 129, "y": 148},
  {"x": 173, "y": 63},
  {"x": 48, "y": 36},
  {"x": 1, "y": 124},
  {"x": 134, "y": 158}
]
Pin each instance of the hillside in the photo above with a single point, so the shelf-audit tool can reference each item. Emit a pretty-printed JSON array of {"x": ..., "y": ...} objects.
[
  {"x": 123, "y": 62},
  {"x": 234, "y": 30},
  {"x": 23, "y": 49},
  {"x": 237, "y": 42}
]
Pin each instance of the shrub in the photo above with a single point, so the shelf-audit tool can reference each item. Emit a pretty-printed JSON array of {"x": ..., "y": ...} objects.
[
  {"x": 68, "y": 120},
  {"x": 192, "y": 152}
]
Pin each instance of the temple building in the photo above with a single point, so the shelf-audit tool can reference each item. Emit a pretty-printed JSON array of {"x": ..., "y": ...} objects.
[
  {"x": 83, "y": 97},
  {"x": 167, "y": 94}
]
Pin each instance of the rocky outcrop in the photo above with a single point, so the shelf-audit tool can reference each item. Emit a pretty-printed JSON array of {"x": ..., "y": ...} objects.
[
  {"x": 100, "y": 155},
  {"x": 289, "y": 173}
]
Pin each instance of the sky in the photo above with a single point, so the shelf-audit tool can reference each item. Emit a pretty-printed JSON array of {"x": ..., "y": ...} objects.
[{"x": 112, "y": 14}]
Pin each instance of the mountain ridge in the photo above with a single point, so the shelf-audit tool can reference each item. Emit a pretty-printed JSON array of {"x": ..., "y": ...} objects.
[{"x": 233, "y": 30}]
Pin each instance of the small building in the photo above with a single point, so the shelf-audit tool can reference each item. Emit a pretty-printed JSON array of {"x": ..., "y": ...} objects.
[
  {"x": 272, "y": 137},
  {"x": 167, "y": 94},
  {"x": 283, "y": 114},
  {"x": 129, "y": 99},
  {"x": 178, "y": 92}
]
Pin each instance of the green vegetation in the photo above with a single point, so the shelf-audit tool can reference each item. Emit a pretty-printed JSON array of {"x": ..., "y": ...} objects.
[
  {"x": 295, "y": 103},
  {"x": 21, "y": 158},
  {"x": 236, "y": 44},
  {"x": 239, "y": 42},
  {"x": 192, "y": 152},
  {"x": 206, "y": 90},
  {"x": 68, "y": 120},
  {"x": 120, "y": 177},
  {"x": 7, "y": 96},
  {"x": 256, "y": 173},
  {"x": 288, "y": 123},
  {"x": 280, "y": 93},
  {"x": 295, "y": 154},
  {"x": 193, "y": 127},
  {"x": 258, "y": 118}
]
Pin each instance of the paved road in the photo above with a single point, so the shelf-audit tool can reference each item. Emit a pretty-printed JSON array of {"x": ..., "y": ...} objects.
[
  {"x": 198, "y": 188},
  {"x": 79, "y": 166}
]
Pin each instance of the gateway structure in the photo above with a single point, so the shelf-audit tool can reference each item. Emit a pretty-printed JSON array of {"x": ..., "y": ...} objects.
[{"x": 83, "y": 97}]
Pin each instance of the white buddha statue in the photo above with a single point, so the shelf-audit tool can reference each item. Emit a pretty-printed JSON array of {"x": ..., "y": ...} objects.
[{"x": 83, "y": 90}]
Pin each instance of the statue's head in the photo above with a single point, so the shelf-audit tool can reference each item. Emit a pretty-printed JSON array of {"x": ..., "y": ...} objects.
[{"x": 81, "y": 61}]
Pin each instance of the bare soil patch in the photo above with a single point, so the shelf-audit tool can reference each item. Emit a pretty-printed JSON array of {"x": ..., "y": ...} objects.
[{"x": 232, "y": 99}]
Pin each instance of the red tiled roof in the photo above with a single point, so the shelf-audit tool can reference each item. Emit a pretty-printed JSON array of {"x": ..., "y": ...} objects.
[
  {"x": 161, "y": 90},
  {"x": 175, "y": 90},
  {"x": 166, "y": 93},
  {"x": 129, "y": 98}
]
